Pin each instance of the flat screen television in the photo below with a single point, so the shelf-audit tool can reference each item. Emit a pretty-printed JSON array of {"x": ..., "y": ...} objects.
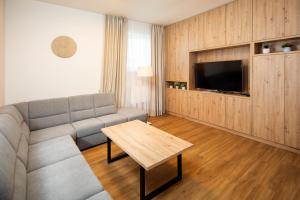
[{"x": 226, "y": 76}]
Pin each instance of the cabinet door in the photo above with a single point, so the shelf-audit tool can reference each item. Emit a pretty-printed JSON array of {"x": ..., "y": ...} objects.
[
  {"x": 214, "y": 27},
  {"x": 182, "y": 101},
  {"x": 213, "y": 109},
  {"x": 182, "y": 52},
  {"x": 268, "y": 97},
  {"x": 238, "y": 114},
  {"x": 193, "y": 104},
  {"x": 170, "y": 43},
  {"x": 292, "y": 17},
  {"x": 170, "y": 100},
  {"x": 292, "y": 100},
  {"x": 268, "y": 19},
  {"x": 239, "y": 22},
  {"x": 196, "y": 30}
]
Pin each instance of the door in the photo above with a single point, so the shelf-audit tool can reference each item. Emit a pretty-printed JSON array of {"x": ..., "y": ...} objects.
[
  {"x": 213, "y": 109},
  {"x": 268, "y": 97},
  {"x": 196, "y": 32},
  {"x": 292, "y": 100},
  {"x": 170, "y": 100},
  {"x": 239, "y": 22},
  {"x": 292, "y": 17},
  {"x": 268, "y": 19}
]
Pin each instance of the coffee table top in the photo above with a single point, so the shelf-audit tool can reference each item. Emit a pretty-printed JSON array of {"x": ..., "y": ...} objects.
[{"x": 147, "y": 145}]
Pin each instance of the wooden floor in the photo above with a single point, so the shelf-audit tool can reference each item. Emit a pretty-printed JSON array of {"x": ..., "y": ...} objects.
[{"x": 220, "y": 165}]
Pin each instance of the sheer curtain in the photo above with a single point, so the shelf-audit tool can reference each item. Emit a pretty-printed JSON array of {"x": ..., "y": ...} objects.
[{"x": 138, "y": 89}]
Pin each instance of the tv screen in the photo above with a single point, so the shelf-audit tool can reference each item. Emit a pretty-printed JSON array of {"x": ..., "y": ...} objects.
[{"x": 221, "y": 76}]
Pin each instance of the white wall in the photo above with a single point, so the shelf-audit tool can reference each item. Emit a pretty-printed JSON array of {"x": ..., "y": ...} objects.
[
  {"x": 32, "y": 71},
  {"x": 1, "y": 52}
]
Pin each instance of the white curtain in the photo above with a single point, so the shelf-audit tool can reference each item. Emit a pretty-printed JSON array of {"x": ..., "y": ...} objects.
[{"x": 138, "y": 89}]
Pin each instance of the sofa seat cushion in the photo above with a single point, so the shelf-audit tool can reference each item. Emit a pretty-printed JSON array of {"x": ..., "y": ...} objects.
[
  {"x": 88, "y": 127},
  {"x": 112, "y": 119},
  {"x": 134, "y": 114},
  {"x": 52, "y": 132},
  {"x": 51, "y": 151},
  {"x": 70, "y": 179},
  {"x": 100, "y": 196}
]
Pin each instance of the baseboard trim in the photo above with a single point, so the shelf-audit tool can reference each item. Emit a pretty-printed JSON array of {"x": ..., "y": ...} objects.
[{"x": 274, "y": 144}]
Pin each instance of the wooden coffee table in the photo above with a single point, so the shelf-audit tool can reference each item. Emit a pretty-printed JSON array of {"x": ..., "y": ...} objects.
[{"x": 149, "y": 147}]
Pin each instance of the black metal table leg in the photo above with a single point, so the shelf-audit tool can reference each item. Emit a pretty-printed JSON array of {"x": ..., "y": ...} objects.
[
  {"x": 109, "y": 158},
  {"x": 163, "y": 187}
]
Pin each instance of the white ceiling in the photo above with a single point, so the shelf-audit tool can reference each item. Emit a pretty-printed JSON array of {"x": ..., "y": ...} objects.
[{"x": 151, "y": 11}]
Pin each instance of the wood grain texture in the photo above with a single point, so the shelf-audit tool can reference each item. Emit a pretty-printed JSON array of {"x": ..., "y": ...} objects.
[
  {"x": 292, "y": 17},
  {"x": 239, "y": 22},
  {"x": 219, "y": 166},
  {"x": 196, "y": 32},
  {"x": 64, "y": 47},
  {"x": 194, "y": 102},
  {"x": 238, "y": 114},
  {"x": 171, "y": 100},
  {"x": 170, "y": 45},
  {"x": 292, "y": 100},
  {"x": 268, "y": 97},
  {"x": 268, "y": 19},
  {"x": 147, "y": 145},
  {"x": 215, "y": 27}
]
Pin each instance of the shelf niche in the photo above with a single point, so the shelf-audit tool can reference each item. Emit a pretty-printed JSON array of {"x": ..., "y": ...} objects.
[
  {"x": 225, "y": 54},
  {"x": 275, "y": 46}
]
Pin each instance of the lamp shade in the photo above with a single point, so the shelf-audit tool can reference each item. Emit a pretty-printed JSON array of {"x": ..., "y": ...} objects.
[{"x": 145, "y": 72}]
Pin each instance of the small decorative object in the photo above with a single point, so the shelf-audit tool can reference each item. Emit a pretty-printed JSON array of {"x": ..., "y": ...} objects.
[
  {"x": 170, "y": 86},
  {"x": 287, "y": 47},
  {"x": 177, "y": 85},
  {"x": 64, "y": 47},
  {"x": 266, "y": 49},
  {"x": 182, "y": 86}
]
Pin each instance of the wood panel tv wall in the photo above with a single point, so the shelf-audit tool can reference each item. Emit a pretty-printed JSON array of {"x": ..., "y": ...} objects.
[{"x": 234, "y": 31}]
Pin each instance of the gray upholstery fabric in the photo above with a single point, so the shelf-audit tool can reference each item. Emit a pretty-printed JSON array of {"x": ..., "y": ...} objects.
[
  {"x": 48, "y": 113},
  {"x": 23, "y": 109},
  {"x": 81, "y": 107},
  {"x": 91, "y": 140},
  {"x": 51, "y": 151},
  {"x": 104, "y": 104},
  {"x": 22, "y": 153},
  {"x": 25, "y": 130},
  {"x": 100, "y": 196},
  {"x": 7, "y": 167},
  {"x": 133, "y": 114},
  {"x": 71, "y": 179},
  {"x": 13, "y": 111},
  {"x": 88, "y": 127},
  {"x": 10, "y": 129},
  {"x": 20, "y": 185},
  {"x": 112, "y": 119},
  {"x": 53, "y": 132}
]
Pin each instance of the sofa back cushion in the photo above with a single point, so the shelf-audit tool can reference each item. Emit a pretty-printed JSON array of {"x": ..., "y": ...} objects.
[
  {"x": 11, "y": 130},
  {"x": 104, "y": 104},
  {"x": 13, "y": 111},
  {"x": 23, "y": 109},
  {"x": 48, "y": 113},
  {"x": 81, "y": 107}
]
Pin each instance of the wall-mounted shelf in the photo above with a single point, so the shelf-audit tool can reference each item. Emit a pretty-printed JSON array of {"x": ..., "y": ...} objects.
[
  {"x": 276, "y": 46},
  {"x": 173, "y": 84}
]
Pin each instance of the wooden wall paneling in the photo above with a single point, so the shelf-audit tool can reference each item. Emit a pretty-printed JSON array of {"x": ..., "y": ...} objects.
[
  {"x": 238, "y": 114},
  {"x": 183, "y": 102},
  {"x": 215, "y": 27},
  {"x": 268, "y": 19},
  {"x": 292, "y": 17},
  {"x": 196, "y": 32},
  {"x": 239, "y": 22},
  {"x": 292, "y": 100},
  {"x": 268, "y": 97},
  {"x": 182, "y": 52},
  {"x": 193, "y": 104},
  {"x": 214, "y": 109},
  {"x": 171, "y": 100},
  {"x": 170, "y": 52}
]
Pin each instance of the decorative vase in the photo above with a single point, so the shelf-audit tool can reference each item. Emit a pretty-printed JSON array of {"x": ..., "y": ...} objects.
[
  {"x": 266, "y": 50},
  {"x": 177, "y": 87},
  {"x": 171, "y": 86},
  {"x": 287, "y": 49},
  {"x": 183, "y": 88}
]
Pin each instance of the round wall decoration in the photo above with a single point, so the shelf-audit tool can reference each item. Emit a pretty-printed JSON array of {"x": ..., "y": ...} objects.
[{"x": 64, "y": 47}]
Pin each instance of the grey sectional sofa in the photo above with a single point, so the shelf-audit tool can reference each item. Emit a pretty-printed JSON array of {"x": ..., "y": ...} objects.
[{"x": 39, "y": 156}]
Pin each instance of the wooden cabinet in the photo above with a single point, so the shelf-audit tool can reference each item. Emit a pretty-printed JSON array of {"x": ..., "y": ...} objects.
[
  {"x": 170, "y": 100},
  {"x": 213, "y": 109},
  {"x": 196, "y": 32},
  {"x": 292, "y": 100},
  {"x": 239, "y": 22},
  {"x": 268, "y": 97},
  {"x": 292, "y": 17},
  {"x": 193, "y": 104},
  {"x": 214, "y": 27},
  {"x": 182, "y": 102},
  {"x": 182, "y": 51},
  {"x": 170, "y": 46},
  {"x": 238, "y": 114},
  {"x": 268, "y": 19}
]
